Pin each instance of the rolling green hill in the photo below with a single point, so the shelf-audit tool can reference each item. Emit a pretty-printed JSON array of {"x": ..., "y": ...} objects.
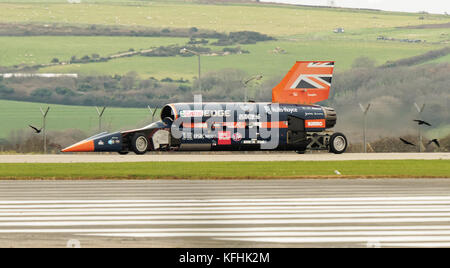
[
  {"x": 32, "y": 50},
  {"x": 277, "y": 20},
  {"x": 302, "y": 33},
  {"x": 261, "y": 59}
]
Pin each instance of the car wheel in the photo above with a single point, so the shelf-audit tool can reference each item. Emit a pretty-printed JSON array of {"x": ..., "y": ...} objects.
[
  {"x": 140, "y": 143},
  {"x": 338, "y": 143}
]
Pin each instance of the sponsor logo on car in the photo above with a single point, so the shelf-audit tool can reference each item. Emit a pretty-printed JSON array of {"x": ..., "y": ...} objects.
[
  {"x": 315, "y": 123},
  {"x": 280, "y": 109},
  {"x": 249, "y": 117},
  {"x": 113, "y": 140},
  {"x": 224, "y": 138},
  {"x": 254, "y": 142},
  {"x": 205, "y": 113},
  {"x": 237, "y": 137}
]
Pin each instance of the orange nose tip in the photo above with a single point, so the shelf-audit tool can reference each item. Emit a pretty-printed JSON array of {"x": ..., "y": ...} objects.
[{"x": 82, "y": 146}]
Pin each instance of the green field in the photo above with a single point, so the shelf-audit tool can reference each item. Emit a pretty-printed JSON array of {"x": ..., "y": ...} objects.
[
  {"x": 42, "y": 49},
  {"x": 433, "y": 36},
  {"x": 268, "y": 19},
  {"x": 260, "y": 60},
  {"x": 17, "y": 115},
  {"x": 305, "y": 33},
  {"x": 230, "y": 170}
]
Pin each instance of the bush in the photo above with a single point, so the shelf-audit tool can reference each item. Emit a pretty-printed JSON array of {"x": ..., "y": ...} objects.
[
  {"x": 85, "y": 87},
  {"x": 235, "y": 50},
  {"x": 174, "y": 50},
  {"x": 243, "y": 37},
  {"x": 184, "y": 88},
  {"x": 194, "y": 41},
  {"x": 42, "y": 93},
  {"x": 5, "y": 90},
  {"x": 430, "y": 55},
  {"x": 64, "y": 91}
]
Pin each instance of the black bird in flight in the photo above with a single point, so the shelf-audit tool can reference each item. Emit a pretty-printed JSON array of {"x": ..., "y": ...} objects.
[
  {"x": 35, "y": 129},
  {"x": 421, "y": 122},
  {"x": 407, "y": 142},
  {"x": 435, "y": 141}
]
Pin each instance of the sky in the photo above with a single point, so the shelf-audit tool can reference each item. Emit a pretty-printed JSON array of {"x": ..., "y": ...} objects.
[{"x": 431, "y": 6}]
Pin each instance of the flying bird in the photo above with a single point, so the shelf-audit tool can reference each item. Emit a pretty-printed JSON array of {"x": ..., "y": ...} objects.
[
  {"x": 421, "y": 122},
  {"x": 35, "y": 129},
  {"x": 435, "y": 141},
  {"x": 407, "y": 142}
]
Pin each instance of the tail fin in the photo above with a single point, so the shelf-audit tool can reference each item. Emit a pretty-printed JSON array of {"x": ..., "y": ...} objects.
[{"x": 307, "y": 82}]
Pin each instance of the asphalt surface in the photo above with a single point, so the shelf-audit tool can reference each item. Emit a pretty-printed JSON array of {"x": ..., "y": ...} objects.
[
  {"x": 226, "y": 213},
  {"x": 193, "y": 157}
]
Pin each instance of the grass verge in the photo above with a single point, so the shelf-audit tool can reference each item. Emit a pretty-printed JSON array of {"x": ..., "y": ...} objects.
[
  {"x": 231, "y": 170},
  {"x": 15, "y": 116}
]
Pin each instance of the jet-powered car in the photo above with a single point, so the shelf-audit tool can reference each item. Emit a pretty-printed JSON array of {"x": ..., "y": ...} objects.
[{"x": 292, "y": 121}]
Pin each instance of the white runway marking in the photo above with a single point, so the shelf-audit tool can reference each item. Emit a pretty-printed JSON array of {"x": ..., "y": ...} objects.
[
  {"x": 209, "y": 211},
  {"x": 338, "y": 239},
  {"x": 422, "y": 235},
  {"x": 324, "y": 230},
  {"x": 223, "y": 222},
  {"x": 419, "y": 219},
  {"x": 211, "y": 203},
  {"x": 412, "y": 198},
  {"x": 208, "y": 157},
  {"x": 419, "y": 245},
  {"x": 332, "y": 217}
]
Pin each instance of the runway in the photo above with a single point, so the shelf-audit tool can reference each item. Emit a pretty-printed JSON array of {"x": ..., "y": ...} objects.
[
  {"x": 208, "y": 156},
  {"x": 244, "y": 213}
]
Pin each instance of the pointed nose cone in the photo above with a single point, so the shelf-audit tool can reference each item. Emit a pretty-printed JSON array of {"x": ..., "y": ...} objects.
[{"x": 82, "y": 146}]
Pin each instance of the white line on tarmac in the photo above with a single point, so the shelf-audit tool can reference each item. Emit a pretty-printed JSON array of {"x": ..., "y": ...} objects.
[
  {"x": 324, "y": 199},
  {"x": 224, "y": 187},
  {"x": 360, "y": 239},
  {"x": 94, "y": 158},
  {"x": 230, "y": 193},
  {"x": 235, "y": 207},
  {"x": 209, "y": 204},
  {"x": 349, "y": 229},
  {"x": 220, "y": 217},
  {"x": 165, "y": 211},
  {"x": 375, "y": 235},
  {"x": 225, "y": 222},
  {"x": 418, "y": 245},
  {"x": 31, "y": 188}
]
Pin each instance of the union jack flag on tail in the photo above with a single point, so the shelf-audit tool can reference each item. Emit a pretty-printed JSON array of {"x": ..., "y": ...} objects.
[{"x": 307, "y": 82}]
